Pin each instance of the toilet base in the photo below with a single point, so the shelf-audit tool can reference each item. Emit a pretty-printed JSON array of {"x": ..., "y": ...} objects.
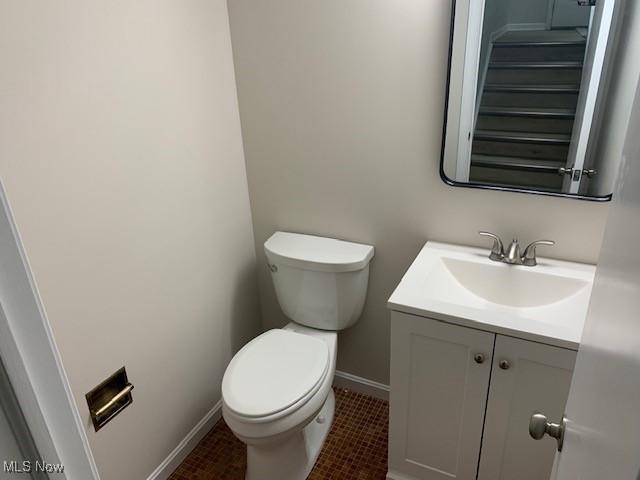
[{"x": 293, "y": 457}]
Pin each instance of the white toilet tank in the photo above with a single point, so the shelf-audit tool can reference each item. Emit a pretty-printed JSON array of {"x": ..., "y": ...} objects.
[{"x": 320, "y": 282}]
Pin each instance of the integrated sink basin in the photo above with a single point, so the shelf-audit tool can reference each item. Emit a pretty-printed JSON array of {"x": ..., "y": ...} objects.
[
  {"x": 458, "y": 284},
  {"x": 508, "y": 285}
]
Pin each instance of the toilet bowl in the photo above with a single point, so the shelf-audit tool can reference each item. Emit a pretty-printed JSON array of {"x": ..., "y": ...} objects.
[
  {"x": 276, "y": 391},
  {"x": 283, "y": 420}
]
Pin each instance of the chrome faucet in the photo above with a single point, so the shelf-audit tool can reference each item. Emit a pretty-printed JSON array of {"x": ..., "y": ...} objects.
[
  {"x": 513, "y": 256},
  {"x": 529, "y": 256}
]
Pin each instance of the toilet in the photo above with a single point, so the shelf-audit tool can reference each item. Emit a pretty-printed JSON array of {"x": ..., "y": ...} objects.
[{"x": 276, "y": 391}]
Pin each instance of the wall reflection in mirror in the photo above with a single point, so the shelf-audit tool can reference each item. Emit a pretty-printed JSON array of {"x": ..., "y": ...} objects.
[{"x": 526, "y": 97}]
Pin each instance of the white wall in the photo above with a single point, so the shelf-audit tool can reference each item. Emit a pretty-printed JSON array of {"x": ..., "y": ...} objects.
[
  {"x": 121, "y": 155},
  {"x": 624, "y": 79},
  {"x": 342, "y": 106}
]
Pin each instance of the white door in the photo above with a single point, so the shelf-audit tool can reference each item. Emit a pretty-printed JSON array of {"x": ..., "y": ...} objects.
[
  {"x": 592, "y": 72},
  {"x": 438, "y": 398},
  {"x": 526, "y": 376},
  {"x": 602, "y": 437},
  {"x": 9, "y": 448},
  {"x": 567, "y": 13},
  {"x": 16, "y": 443}
]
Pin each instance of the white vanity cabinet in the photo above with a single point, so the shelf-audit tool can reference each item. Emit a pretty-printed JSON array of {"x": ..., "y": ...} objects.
[
  {"x": 461, "y": 400},
  {"x": 527, "y": 377},
  {"x": 437, "y": 399}
]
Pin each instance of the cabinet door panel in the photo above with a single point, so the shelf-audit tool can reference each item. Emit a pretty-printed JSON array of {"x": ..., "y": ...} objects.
[
  {"x": 438, "y": 398},
  {"x": 537, "y": 380}
]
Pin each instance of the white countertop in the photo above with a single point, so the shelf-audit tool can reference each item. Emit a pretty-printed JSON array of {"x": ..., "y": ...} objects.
[{"x": 430, "y": 289}]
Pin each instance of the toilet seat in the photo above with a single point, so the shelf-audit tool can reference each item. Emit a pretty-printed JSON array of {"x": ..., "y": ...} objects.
[{"x": 274, "y": 374}]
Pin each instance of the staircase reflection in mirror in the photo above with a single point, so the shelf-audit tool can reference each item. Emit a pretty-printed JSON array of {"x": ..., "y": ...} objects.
[{"x": 524, "y": 97}]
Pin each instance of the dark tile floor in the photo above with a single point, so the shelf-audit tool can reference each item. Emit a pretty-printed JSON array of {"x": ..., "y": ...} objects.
[{"x": 356, "y": 448}]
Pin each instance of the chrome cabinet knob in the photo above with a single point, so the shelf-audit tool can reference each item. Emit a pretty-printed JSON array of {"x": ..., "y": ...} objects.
[
  {"x": 479, "y": 358},
  {"x": 504, "y": 365},
  {"x": 539, "y": 426}
]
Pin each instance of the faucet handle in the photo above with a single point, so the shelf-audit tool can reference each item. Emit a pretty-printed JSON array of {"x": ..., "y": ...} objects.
[
  {"x": 497, "y": 251},
  {"x": 529, "y": 256}
]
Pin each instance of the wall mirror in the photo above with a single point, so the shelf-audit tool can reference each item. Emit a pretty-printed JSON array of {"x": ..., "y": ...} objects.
[{"x": 527, "y": 88}]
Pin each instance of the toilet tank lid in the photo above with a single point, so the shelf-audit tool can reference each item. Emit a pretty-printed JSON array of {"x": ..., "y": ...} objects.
[{"x": 317, "y": 253}]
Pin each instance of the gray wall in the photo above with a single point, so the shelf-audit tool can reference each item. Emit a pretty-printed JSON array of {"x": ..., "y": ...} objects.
[
  {"x": 499, "y": 13},
  {"x": 502, "y": 12},
  {"x": 121, "y": 155},
  {"x": 527, "y": 12},
  {"x": 341, "y": 106},
  {"x": 496, "y": 17}
]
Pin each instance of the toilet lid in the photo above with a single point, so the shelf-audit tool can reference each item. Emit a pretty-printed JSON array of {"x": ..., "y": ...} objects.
[{"x": 274, "y": 371}]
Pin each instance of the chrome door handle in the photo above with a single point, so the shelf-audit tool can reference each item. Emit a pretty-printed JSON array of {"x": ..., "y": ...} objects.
[{"x": 539, "y": 427}]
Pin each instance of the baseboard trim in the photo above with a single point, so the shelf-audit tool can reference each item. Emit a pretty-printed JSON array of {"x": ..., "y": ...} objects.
[
  {"x": 188, "y": 443},
  {"x": 498, "y": 33},
  {"x": 393, "y": 475},
  {"x": 361, "y": 385},
  {"x": 515, "y": 27}
]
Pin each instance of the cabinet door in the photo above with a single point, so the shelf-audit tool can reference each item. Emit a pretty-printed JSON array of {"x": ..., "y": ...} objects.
[
  {"x": 537, "y": 379},
  {"x": 438, "y": 398}
]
